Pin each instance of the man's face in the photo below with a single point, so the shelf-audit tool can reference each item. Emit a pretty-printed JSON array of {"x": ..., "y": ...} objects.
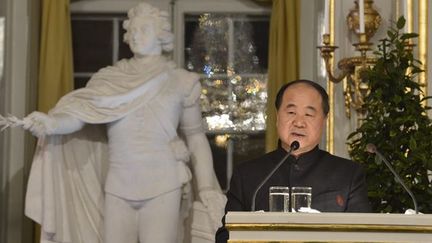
[
  {"x": 300, "y": 117},
  {"x": 143, "y": 38}
]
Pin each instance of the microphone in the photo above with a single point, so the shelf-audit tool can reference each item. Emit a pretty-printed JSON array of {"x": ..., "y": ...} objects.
[
  {"x": 371, "y": 148},
  {"x": 294, "y": 146}
]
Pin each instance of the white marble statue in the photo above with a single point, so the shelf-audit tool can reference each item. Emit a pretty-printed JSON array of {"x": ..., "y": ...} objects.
[{"x": 112, "y": 162}]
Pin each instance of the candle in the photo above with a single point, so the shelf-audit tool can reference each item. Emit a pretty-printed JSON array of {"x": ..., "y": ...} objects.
[
  {"x": 361, "y": 16},
  {"x": 406, "y": 6},
  {"x": 326, "y": 16}
]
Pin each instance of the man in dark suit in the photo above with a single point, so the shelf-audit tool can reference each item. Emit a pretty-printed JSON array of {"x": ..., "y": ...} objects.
[{"x": 338, "y": 184}]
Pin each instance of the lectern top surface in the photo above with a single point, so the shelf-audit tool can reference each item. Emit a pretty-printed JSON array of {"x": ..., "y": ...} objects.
[{"x": 326, "y": 218}]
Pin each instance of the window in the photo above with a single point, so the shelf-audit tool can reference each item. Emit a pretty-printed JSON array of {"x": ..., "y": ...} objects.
[
  {"x": 229, "y": 51},
  {"x": 97, "y": 42}
]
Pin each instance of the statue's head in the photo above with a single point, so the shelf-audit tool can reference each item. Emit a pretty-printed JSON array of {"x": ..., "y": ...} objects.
[{"x": 147, "y": 29}]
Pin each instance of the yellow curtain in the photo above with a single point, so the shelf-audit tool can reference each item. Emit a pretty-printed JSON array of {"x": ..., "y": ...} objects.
[
  {"x": 56, "y": 60},
  {"x": 283, "y": 57},
  {"x": 56, "y": 65}
]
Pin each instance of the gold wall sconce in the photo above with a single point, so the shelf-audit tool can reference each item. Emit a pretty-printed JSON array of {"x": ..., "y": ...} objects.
[{"x": 351, "y": 68}]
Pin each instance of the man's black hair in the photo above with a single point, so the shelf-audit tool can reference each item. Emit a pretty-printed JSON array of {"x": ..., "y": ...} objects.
[{"x": 316, "y": 86}]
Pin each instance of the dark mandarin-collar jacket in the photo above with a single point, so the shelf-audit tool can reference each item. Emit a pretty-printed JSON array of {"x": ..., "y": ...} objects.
[{"x": 338, "y": 184}]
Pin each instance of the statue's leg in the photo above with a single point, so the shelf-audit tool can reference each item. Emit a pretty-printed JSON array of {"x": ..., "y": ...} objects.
[
  {"x": 120, "y": 221},
  {"x": 158, "y": 219}
]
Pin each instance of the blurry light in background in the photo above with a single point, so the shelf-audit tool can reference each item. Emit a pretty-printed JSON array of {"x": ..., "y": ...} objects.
[{"x": 221, "y": 140}]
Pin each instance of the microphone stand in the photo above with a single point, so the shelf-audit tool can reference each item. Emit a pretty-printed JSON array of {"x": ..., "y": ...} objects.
[
  {"x": 372, "y": 149},
  {"x": 399, "y": 180},
  {"x": 294, "y": 146}
]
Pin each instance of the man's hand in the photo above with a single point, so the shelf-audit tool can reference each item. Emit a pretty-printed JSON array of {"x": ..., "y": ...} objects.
[
  {"x": 40, "y": 124},
  {"x": 215, "y": 202}
]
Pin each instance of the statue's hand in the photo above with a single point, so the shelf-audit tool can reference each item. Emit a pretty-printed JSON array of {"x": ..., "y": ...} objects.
[
  {"x": 40, "y": 124},
  {"x": 215, "y": 202}
]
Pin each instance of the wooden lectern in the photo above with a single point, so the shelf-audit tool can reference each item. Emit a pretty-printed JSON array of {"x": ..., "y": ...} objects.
[{"x": 254, "y": 227}]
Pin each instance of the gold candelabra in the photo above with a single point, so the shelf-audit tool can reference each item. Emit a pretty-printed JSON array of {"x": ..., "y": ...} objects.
[{"x": 352, "y": 68}]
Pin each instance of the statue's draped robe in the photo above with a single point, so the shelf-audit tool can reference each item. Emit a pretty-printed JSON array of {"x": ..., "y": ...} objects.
[{"x": 66, "y": 186}]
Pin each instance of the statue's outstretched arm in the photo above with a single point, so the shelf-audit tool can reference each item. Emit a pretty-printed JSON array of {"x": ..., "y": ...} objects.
[{"x": 41, "y": 124}]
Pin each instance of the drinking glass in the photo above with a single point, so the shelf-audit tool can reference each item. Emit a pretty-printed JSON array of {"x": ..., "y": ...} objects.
[
  {"x": 279, "y": 199},
  {"x": 301, "y": 197}
]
